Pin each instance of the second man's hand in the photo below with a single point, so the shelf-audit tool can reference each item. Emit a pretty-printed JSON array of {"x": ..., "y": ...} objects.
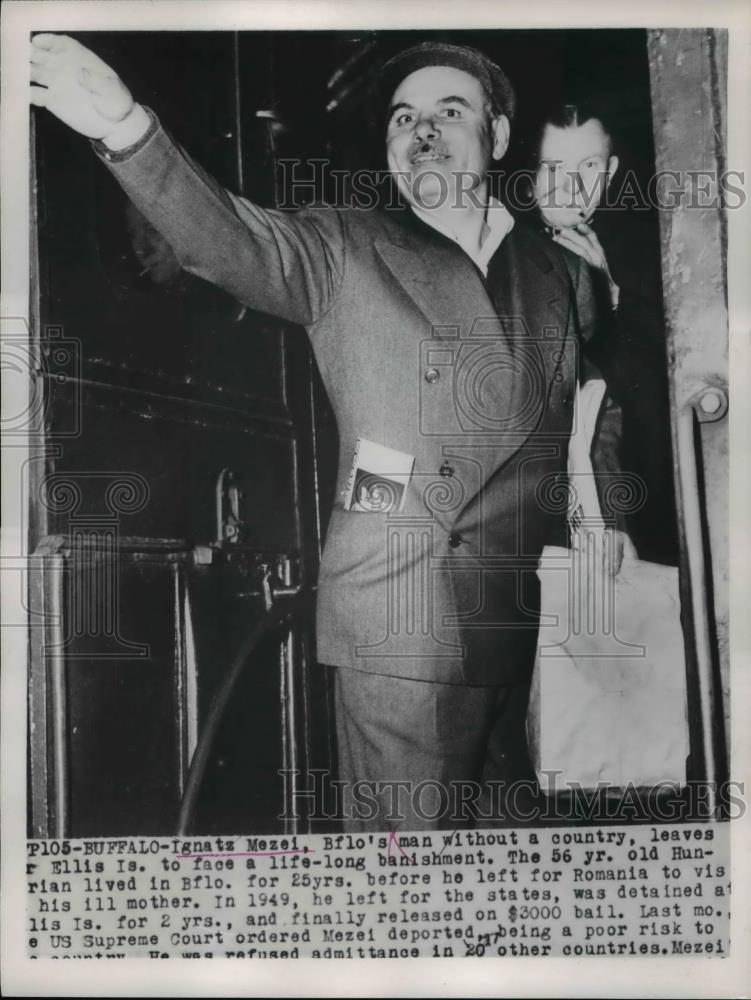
[
  {"x": 582, "y": 240},
  {"x": 82, "y": 91}
]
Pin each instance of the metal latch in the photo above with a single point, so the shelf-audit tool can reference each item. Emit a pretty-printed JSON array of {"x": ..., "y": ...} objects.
[
  {"x": 229, "y": 525},
  {"x": 273, "y": 586}
]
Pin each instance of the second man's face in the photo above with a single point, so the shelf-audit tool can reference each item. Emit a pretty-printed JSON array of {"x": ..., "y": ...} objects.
[
  {"x": 574, "y": 172},
  {"x": 440, "y": 138}
]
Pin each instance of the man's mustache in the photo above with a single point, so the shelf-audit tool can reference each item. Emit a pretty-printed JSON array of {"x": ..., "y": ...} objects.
[{"x": 428, "y": 149}]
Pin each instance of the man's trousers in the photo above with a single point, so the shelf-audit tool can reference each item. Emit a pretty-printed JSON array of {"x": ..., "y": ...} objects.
[{"x": 419, "y": 755}]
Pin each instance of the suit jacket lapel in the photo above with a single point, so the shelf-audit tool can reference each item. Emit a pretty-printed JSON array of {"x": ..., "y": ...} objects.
[
  {"x": 533, "y": 294},
  {"x": 449, "y": 290},
  {"x": 440, "y": 279},
  {"x": 509, "y": 352}
]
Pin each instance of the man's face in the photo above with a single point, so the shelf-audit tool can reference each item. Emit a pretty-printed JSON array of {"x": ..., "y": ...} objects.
[
  {"x": 574, "y": 172},
  {"x": 441, "y": 137}
]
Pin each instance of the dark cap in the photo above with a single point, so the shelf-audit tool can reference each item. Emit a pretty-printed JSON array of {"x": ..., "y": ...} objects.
[{"x": 492, "y": 78}]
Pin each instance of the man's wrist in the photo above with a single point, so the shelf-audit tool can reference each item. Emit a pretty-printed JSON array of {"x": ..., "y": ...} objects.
[{"x": 128, "y": 131}]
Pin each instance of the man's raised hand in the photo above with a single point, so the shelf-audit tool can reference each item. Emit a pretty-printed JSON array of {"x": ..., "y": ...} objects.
[
  {"x": 582, "y": 240},
  {"x": 82, "y": 91}
]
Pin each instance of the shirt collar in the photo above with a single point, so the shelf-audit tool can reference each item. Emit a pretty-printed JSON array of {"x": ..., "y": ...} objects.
[{"x": 497, "y": 225}]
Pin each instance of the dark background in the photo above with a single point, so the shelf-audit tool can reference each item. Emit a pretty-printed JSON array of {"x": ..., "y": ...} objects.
[{"x": 318, "y": 84}]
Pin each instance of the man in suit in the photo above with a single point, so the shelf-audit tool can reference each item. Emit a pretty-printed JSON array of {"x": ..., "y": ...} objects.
[
  {"x": 449, "y": 338},
  {"x": 577, "y": 160}
]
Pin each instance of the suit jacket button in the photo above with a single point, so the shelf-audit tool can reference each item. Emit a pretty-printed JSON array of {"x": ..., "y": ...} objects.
[
  {"x": 568, "y": 400},
  {"x": 432, "y": 375},
  {"x": 455, "y": 540}
]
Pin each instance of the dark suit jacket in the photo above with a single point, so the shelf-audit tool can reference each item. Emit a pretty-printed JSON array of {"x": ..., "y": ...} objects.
[
  {"x": 446, "y": 590},
  {"x": 629, "y": 346}
]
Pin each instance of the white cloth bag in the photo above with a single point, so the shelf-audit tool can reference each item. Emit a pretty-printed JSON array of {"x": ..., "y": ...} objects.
[{"x": 608, "y": 699}]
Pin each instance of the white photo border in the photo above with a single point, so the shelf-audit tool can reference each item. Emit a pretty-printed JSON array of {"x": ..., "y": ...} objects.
[{"x": 612, "y": 977}]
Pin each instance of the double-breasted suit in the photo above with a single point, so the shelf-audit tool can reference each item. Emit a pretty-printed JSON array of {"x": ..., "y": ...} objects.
[{"x": 474, "y": 376}]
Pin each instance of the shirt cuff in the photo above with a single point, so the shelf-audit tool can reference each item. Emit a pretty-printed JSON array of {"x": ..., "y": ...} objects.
[{"x": 118, "y": 155}]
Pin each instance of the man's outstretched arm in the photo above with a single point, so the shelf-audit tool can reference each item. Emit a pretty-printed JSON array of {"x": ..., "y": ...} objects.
[{"x": 287, "y": 265}]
